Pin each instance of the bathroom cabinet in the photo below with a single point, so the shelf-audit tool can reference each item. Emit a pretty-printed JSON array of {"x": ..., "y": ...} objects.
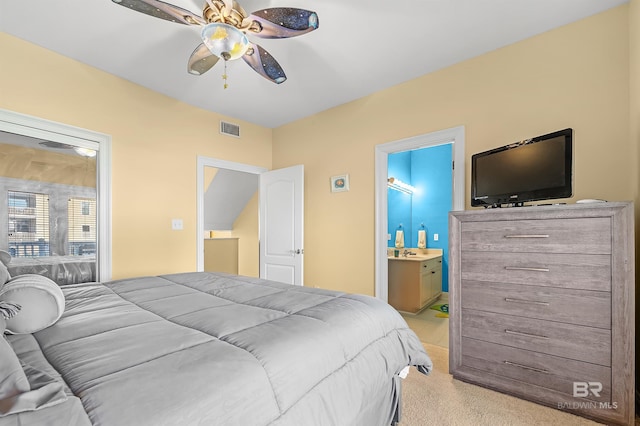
[{"x": 415, "y": 282}]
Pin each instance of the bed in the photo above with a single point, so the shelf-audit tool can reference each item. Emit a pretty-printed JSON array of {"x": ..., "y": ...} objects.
[{"x": 216, "y": 349}]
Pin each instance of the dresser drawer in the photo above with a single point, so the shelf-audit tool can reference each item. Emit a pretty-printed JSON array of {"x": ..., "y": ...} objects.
[
  {"x": 581, "y": 307},
  {"x": 588, "y": 344},
  {"x": 583, "y": 271},
  {"x": 542, "y": 370},
  {"x": 582, "y": 235}
]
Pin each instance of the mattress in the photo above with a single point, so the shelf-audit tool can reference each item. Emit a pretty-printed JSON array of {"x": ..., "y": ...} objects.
[{"x": 217, "y": 349}]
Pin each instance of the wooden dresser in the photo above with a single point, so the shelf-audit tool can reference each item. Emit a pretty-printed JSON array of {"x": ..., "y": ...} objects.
[{"x": 541, "y": 305}]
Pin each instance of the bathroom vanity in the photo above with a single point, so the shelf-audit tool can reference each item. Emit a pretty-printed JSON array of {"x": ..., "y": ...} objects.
[{"x": 415, "y": 281}]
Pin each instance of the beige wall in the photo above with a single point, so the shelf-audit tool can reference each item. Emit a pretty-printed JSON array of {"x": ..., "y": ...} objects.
[
  {"x": 246, "y": 229},
  {"x": 209, "y": 174},
  {"x": 634, "y": 73},
  {"x": 575, "y": 76},
  {"x": 155, "y": 142}
]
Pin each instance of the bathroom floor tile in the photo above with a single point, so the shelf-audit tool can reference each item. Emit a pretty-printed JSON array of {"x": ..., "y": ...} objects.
[{"x": 430, "y": 328}]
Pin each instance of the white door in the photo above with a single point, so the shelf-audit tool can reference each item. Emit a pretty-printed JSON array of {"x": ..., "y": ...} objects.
[{"x": 281, "y": 225}]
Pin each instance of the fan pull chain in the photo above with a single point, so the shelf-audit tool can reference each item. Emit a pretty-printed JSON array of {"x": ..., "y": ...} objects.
[{"x": 224, "y": 76}]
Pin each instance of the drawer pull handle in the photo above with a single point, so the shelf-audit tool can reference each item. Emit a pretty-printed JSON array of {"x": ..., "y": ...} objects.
[
  {"x": 531, "y": 302},
  {"x": 526, "y": 367},
  {"x": 520, "y": 333},
  {"x": 527, "y": 236},
  {"x": 524, "y": 268}
]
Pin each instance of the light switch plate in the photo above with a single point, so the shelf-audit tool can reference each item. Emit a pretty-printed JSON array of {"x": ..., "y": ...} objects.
[
  {"x": 435, "y": 237},
  {"x": 176, "y": 224}
]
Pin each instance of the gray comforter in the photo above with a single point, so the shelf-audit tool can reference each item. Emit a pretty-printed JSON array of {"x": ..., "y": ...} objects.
[{"x": 218, "y": 349}]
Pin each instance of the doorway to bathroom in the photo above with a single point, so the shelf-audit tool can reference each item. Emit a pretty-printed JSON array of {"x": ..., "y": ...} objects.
[
  {"x": 432, "y": 167},
  {"x": 418, "y": 210}
]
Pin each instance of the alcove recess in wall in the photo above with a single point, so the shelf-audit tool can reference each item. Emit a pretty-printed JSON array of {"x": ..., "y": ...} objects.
[{"x": 229, "y": 129}]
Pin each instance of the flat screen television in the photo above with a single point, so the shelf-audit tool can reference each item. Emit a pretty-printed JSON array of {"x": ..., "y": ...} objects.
[{"x": 540, "y": 168}]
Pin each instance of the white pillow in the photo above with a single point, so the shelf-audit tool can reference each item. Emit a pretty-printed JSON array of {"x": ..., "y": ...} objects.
[
  {"x": 24, "y": 388},
  {"x": 4, "y": 275},
  {"x": 41, "y": 299},
  {"x": 5, "y": 258},
  {"x": 13, "y": 381}
]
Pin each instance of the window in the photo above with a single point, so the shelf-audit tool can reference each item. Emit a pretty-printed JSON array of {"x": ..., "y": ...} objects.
[
  {"x": 36, "y": 130},
  {"x": 28, "y": 231},
  {"x": 82, "y": 226}
]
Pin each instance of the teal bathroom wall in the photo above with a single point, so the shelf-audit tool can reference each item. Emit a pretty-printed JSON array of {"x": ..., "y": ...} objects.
[
  {"x": 432, "y": 176},
  {"x": 399, "y": 203},
  {"x": 429, "y": 171}
]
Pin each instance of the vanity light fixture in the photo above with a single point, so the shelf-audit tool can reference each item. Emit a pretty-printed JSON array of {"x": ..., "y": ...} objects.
[{"x": 398, "y": 185}]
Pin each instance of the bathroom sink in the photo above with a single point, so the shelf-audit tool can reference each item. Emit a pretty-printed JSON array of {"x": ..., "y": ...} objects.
[{"x": 417, "y": 257}]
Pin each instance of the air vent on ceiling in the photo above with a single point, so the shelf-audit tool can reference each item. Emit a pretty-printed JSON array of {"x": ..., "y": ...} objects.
[{"x": 229, "y": 129}]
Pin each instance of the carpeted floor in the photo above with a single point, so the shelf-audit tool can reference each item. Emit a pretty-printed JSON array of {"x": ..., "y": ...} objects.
[{"x": 439, "y": 400}]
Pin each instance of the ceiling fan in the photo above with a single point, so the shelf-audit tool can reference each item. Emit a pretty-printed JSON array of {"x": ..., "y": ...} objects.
[{"x": 225, "y": 28}]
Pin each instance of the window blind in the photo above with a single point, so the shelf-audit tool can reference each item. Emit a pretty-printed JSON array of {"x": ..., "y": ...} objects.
[
  {"x": 82, "y": 226},
  {"x": 28, "y": 224}
]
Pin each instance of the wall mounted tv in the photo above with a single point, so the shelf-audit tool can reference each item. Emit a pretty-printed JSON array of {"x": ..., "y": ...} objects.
[{"x": 540, "y": 168}]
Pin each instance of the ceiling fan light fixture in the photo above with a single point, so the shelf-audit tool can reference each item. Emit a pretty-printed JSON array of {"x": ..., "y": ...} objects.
[
  {"x": 224, "y": 34},
  {"x": 85, "y": 152},
  {"x": 225, "y": 41}
]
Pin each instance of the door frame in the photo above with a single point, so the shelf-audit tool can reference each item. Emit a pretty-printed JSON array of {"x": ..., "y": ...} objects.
[
  {"x": 382, "y": 151},
  {"x": 39, "y": 128},
  {"x": 203, "y": 162}
]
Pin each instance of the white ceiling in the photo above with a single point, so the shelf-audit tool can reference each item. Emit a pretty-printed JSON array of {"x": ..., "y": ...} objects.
[{"x": 359, "y": 48}]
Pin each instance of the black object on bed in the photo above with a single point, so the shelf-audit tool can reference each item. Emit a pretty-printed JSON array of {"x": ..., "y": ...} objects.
[{"x": 216, "y": 349}]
